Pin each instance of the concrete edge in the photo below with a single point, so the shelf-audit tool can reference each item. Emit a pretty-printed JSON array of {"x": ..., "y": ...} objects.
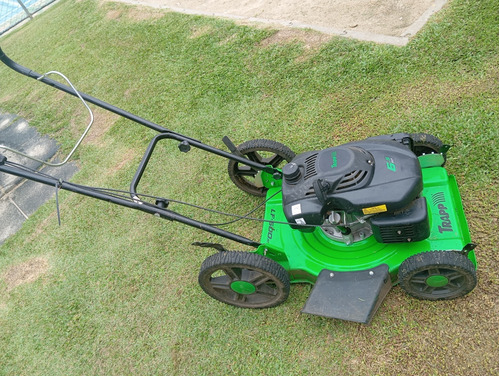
[
  {"x": 422, "y": 20},
  {"x": 401, "y": 40}
]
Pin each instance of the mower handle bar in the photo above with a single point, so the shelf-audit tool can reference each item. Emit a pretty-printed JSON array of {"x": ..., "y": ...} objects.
[
  {"x": 156, "y": 210},
  {"x": 185, "y": 141},
  {"x": 184, "y": 145}
]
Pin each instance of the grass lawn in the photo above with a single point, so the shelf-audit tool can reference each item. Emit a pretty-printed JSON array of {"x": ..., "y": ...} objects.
[{"x": 117, "y": 290}]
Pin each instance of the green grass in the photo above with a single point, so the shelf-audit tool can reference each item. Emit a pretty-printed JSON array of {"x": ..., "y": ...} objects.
[{"x": 120, "y": 295}]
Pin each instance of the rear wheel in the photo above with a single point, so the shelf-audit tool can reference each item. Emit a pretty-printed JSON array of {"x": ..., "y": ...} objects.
[
  {"x": 438, "y": 275},
  {"x": 243, "y": 279},
  {"x": 266, "y": 152}
]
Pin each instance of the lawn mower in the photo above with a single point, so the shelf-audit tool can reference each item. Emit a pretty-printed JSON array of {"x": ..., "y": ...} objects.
[{"x": 351, "y": 220}]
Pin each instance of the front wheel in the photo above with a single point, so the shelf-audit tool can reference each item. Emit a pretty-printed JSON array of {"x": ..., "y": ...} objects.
[
  {"x": 438, "y": 275},
  {"x": 243, "y": 279}
]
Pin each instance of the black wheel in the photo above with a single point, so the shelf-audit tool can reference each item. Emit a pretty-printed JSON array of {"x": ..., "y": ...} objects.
[
  {"x": 437, "y": 275},
  {"x": 246, "y": 280},
  {"x": 266, "y": 152},
  {"x": 424, "y": 143}
]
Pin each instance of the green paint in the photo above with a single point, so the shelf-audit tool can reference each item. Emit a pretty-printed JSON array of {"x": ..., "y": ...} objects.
[
  {"x": 390, "y": 164},
  {"x": 334, "y": 159},
  {"x": 269, "y": 180}
]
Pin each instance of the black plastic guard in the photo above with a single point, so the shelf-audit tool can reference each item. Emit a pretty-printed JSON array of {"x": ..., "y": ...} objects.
[{"x": 352, "y": 296}]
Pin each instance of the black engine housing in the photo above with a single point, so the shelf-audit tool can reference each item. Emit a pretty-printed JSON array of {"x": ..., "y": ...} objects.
[{"x": 377, "y": 175}]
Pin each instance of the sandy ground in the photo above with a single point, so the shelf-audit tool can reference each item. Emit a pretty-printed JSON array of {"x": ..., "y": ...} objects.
[{"x": 383, "y": 21}]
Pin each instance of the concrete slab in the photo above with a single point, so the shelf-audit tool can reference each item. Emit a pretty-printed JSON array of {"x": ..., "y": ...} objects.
[
  {"x": 17, "y": 134},
  {"x": 11, "y": 219},
  {"x": 6, "y": 119},
  {"x": 20, "y": 198},
  {"x": 26, "y": 139}
]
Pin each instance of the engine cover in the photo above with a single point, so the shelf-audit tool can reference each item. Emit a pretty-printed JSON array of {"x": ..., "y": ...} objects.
[{"x": 373, "y": 176}]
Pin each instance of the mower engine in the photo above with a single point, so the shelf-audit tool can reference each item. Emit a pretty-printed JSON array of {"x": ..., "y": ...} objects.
[{"x": 359, "y": 189}]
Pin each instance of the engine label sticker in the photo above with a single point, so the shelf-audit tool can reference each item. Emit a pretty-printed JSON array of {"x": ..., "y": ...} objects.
[
  {"x": 375, "y": 209},
  {"x": 296, "y": 209},
  {"x": 300, "y": 221},
  {"x": 334, "y": 159}
]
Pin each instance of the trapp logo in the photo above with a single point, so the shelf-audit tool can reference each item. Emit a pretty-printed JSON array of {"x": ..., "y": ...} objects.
[{"x": 439, "y": 200}]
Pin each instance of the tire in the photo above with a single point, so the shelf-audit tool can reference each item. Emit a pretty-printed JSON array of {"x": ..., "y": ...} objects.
[
  {"x": 263, "y": 151},
  {"x": 424, "y": 143},
  {"x": 245, "y": 280},
  {"x": 437, "y": 275}
]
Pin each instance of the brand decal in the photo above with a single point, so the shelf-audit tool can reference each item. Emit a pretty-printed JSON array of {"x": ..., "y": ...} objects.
[
  {"x": 334, "y": 159},
  {"x": 389, "y": 162},
  {"x": 271, "y": 228},
  {"x": 439, "y": 200}
]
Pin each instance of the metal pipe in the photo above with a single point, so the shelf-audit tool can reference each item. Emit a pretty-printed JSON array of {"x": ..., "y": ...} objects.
[
  {"x": 25, "y": 9},
  {"x": 136, "y": 203},
  {"x": 91, "y": 121},
  {"x": 149, "y": 151},
  {"x": 168, "y": 133}
]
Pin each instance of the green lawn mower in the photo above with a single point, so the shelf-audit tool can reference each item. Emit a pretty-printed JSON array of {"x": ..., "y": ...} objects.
[{"x": 352, "y": 220}]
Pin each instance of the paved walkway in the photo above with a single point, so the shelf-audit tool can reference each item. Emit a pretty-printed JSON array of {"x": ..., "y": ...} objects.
[{"x": 19, "y": 198}]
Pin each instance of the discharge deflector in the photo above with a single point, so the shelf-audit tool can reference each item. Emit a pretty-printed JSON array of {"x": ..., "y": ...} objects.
[{"x": 352, "y": 296}]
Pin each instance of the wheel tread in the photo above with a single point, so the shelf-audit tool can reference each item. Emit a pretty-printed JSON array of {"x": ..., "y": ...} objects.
[
  {"x": 249, "y": 260},
  {"x": 453, "y": 259}
]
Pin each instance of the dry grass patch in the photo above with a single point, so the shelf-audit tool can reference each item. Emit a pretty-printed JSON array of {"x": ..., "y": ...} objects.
[
  {"x": 137, "y": 13},
  {"x": 433, "y": 91},
  {"x": 310, "y": 39},
  {"x": 140, "y": 13},
  {"x": 103, "y": 121},
  {"x": 26, "y": 272},
  {"x": 197, "y": 31}
]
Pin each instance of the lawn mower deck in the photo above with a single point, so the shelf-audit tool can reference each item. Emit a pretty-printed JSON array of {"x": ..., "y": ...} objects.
[{"x": 355, "y": 273}]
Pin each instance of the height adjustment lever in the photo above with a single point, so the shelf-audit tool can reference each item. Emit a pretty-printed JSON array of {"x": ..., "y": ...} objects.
[{"x": 232, "y": 148}]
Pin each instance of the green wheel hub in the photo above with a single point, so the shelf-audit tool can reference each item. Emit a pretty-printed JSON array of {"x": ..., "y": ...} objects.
[
  {"x": 243, "y": 287},
  {"x": 437, "y": 281},
  {"x": 244, "y": 279},
  {"x": 437, "y": 275}
]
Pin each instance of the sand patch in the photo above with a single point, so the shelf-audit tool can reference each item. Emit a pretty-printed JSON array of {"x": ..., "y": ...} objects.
[{"x": 382, "y": 21}]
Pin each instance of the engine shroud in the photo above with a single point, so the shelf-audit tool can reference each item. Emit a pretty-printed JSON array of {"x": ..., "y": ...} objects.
[{"x": 366, "y": 177}]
